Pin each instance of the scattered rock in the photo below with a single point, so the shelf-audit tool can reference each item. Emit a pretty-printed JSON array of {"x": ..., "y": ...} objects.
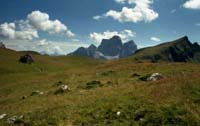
[
  {"x": 139, "y": 116},
  {"x": 62, "y": 89},
  {"x": 3, "y": 116},
  {"x": 152, "y": 77},
  {"x": 37, "y": 93},
  {"x": 27, "y": 58},
  {"x": 155, "y": 77},
  {"x": 15, "y": 120},
  {"x": 118, "y": 113}
]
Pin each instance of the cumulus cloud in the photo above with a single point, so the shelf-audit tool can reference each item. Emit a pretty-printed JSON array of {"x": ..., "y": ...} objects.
[
  {"x": 155, "y": 39},
  {"x": 192, "y": 4},
  {"x": 28, "y": 29},
  {"x": 45, "y": 46},
  {"x": 141, "y": 11},
  {"x": 8, "y": 30},
  {"x": 125, "y": 35},
  {"x": 41, "y": 21}
]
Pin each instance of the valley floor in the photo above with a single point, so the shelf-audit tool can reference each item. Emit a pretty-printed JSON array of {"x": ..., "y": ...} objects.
[{"x": 101, "y": 93}]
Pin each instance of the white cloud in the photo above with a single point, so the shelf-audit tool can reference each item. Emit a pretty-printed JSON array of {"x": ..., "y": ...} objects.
[
  {"x": 140, "y": 12},
  {"x": 28, "y": 29},
  {"x": 97, "y": 17},
  {"x": 45, "y": 46},
  {"x": 155, "y": 39},
  {"x": 125, "y": 35},
  {"x": 192, "y": 4},
  {"x": 8, "y": 30},
  {"x": 173, "y": 11},
  {"x": 41, "y": 21}
]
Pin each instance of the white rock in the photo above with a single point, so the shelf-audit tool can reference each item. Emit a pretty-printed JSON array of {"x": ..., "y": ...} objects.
[
  {"x": 155, "y": 77},
  {"x": 11, "y": 120},
  {"x": 3, "y": 115},
  {"x": 64, "y": 87},
  {"x": 118, "y": 113},
  {"x": 41, "y": 93}
]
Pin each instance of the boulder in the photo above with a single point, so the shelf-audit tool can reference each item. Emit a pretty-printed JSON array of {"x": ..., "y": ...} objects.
[
  {"x": 27, "y": 58},
  {"x": 37, "y": 93},
  {"x": 2, "y": 116},
  {"x": 155, "y": 77},
  {"x": 15, "y": 120},
  {"x": 62, "y": 89}
]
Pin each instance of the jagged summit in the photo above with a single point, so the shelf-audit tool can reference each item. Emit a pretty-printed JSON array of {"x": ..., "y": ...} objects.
[{"x": 112, "y": 48}]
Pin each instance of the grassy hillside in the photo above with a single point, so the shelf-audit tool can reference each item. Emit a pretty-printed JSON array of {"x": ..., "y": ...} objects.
[
  {"x": 180, "y": 50},
  {"x": 98, "y": 91}
]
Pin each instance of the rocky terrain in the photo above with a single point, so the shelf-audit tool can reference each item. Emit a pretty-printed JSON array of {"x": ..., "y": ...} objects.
[{"x": 108, "y": 49}]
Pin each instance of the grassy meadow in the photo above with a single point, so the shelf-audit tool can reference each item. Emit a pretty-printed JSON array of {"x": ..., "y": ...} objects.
[{"x": 98, "y": 91}]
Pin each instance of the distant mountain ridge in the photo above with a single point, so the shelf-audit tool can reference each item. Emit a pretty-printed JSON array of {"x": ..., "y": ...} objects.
[
  {"x": 180, "y": 50},
  {"x": 112, "y": 48}
]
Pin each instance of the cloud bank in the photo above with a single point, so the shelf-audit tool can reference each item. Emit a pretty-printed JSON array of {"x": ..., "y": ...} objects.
[
  {"x": 28, "y": 29},
  {"x": 125, "y": 35},
  {"x": 192, "y": 4},
  {"x": 141, "y": 11}
]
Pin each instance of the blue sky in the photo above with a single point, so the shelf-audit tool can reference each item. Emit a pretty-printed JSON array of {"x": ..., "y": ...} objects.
[{"x": 53, "y": 26}]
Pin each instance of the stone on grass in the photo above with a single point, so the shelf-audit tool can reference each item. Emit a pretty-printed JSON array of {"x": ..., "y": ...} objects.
[
  {"x": 27, "y": 58},
  {"x": 62, "y": 89},
  {"x": 2, "y": 116},
  {"x": 155, "y": 77},
  {"x": 118, "y": 113},
  {"x": 37, "y": 93},
  {"x": 15, "y": 120}
]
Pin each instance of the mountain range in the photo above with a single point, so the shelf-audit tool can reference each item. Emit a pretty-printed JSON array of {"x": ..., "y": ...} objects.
[
  {"x": 180, "y": 50},
  {"x": 112, "y": 48}
]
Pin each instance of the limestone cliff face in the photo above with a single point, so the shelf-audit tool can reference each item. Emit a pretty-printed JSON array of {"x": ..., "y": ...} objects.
[{"x": 108, "y": 49}]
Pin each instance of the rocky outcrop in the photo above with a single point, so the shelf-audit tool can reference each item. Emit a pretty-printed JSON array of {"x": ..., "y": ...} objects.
[
  {"x": 128, "y": 49},
  {"x": 27, "y": 58},
  {"x": 111, "y": 47},
  {"x": 108, "y": 49}
]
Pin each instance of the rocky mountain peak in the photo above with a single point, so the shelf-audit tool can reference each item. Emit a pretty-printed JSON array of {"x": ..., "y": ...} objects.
[
  {"x": 111, "y": 47},
  {"x": 108, "y": 49}
]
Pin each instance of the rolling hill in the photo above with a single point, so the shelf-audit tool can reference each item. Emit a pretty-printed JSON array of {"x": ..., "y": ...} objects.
[
  {"x": 180, "y": 50},
  {"x": 101, "y": 93}
]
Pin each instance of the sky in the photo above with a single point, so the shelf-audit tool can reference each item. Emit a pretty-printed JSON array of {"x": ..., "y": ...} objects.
[{"x": 61, "y": 26}]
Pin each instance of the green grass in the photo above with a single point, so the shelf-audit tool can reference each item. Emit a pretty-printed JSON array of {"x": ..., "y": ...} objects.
[{"x": 172, "y": 101}]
